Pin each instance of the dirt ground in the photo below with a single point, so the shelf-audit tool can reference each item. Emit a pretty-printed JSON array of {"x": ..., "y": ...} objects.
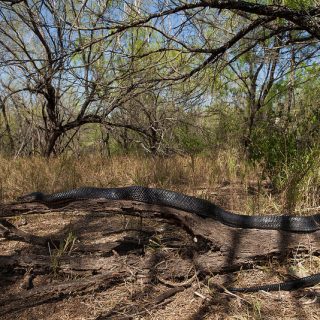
[{"x": 120, "y": 267}]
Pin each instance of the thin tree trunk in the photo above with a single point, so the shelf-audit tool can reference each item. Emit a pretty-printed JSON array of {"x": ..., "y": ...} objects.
[
  {"x": 7, "y": 126},
  {"x": 51, "y": 143}
]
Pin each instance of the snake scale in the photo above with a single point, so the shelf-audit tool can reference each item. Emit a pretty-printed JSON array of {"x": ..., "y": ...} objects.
[{"x": 197, "y": 206}]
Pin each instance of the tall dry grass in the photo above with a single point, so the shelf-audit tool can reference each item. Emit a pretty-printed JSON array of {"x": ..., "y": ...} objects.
[{"x": 225, "y": 178}]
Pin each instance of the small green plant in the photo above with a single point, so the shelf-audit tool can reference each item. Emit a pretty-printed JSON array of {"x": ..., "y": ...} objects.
[
  {"x": 256, "y": 308},
  {"x": 65, "y": 247}
]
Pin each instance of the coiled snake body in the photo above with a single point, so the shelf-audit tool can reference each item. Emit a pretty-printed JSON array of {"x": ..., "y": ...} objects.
[{"x": 198, "y": 206}]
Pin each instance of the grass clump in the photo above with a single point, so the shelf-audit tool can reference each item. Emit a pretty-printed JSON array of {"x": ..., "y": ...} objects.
[{"x": 226, "y": 178}]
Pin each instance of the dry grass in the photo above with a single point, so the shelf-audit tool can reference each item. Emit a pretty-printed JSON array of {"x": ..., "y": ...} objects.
[
  {"x": 23, "y": 174},
  {"x": 225, "y": 178}
]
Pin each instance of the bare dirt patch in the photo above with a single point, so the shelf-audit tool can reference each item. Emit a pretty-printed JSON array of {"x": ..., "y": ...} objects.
[{"x": 108, "y": 264}]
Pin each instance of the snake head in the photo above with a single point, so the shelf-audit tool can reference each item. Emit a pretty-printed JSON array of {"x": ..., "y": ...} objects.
[{"x": 31, "y": 197}]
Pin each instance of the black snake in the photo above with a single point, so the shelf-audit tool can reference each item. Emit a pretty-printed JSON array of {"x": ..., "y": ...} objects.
[{"x": 198, "y": 206}]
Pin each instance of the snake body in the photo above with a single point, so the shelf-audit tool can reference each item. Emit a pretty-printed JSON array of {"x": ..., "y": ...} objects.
[
  {"x": 197, "y": 206},
  {"x": 183, "y": 202},
  {"x": 284, "y": 286}
]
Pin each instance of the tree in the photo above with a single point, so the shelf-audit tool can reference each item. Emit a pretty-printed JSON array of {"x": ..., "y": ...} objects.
[
  {"x": 70, "y": 63},
  {"x": 65, "y": 65}
]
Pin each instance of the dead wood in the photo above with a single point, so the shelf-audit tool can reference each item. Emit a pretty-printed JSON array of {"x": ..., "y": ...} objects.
[
  {"x": 250, "y": 244},
  {"x": 215, "y": 249},
  {"x": 13, "y": 233},
  {"x": 142, "y": 309},
  {"x": 59, "y": 291}
]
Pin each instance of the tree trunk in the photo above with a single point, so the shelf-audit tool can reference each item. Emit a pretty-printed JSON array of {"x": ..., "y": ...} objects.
[
  {"x": 8, "y": 129},
  {"x": 51, "y": 143}
]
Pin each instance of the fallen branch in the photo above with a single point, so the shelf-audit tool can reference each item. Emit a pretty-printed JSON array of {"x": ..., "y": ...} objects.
[
  {"x": 241, "y": 246},
  {"x": 60, "y": 291}
]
